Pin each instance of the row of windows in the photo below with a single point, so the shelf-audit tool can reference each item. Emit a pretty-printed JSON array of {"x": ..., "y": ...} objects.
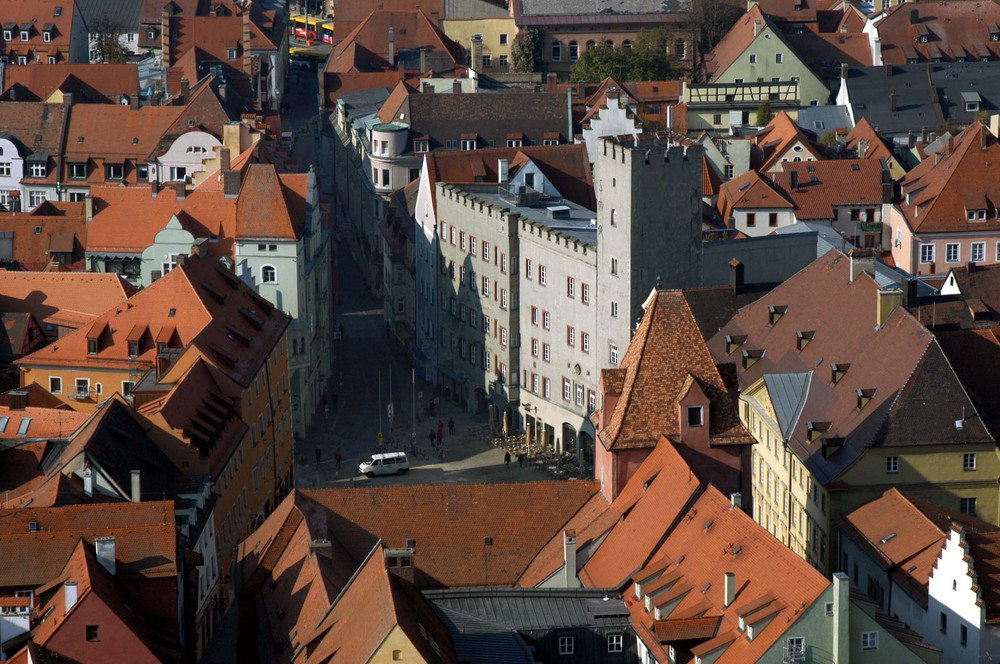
[
  {"x": 779, "y": 58},
  {"x": 772, "y": 219},
  {"x": 573, "y": 54},
  {"x": 796, "y": 645},
  {"x": 968, "y": 462},
  {"x": 567, "y": 643},
  {"x": 953, "y": 251},
  {"x": 81, "y": 387}
]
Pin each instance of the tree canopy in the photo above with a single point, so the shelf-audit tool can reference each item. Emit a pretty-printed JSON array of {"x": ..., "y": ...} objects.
[
  {"x": 525, "y": 51},
  {"x": 651, "y": 58}
]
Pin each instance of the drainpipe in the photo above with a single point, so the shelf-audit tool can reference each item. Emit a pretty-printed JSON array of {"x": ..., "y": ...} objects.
[{"x": 569, "y": 116}]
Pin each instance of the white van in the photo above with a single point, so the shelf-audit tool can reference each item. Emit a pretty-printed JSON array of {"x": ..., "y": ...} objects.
[{"x": 385, "y": 464}]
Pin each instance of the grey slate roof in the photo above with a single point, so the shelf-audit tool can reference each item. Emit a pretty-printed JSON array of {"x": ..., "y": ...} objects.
[
  {"x": 125, "y": 13},
  {"x": 602, "y": 7},
  {"x": 362, "y": 103},
  {"x": 788, "y": 392},
  {"x": 455, "y": 9},
  {"x": 922, "y": 101},
  {"x": 479, "y": 641},
  {"x": 533, "y": 608}
]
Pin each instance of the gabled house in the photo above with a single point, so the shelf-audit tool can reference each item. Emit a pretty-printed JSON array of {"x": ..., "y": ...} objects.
[
  {"x": 667, "y": 385},
  {"x": 42, "y": 32},
  {"x": 933, "y": 568},
  {"x": 754, "y": 206},
  {"x": 945, "y": 215},
  {"x": 100, "y": 17},
  {"x": 865, "y": 143},
  {"x": 840, "y": 403},
  {"x": 51, "y": 236},
  {"x": 782, "y": 141},
  {"x": 92, "y": 84},
  {"x": 30, "y": 149}
]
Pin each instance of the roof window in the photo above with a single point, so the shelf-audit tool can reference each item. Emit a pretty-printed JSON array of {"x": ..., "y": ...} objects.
[
  {"x": 803, "y": 337},
  {"x": 838, "y": 371},
  {"x": 734, "y": 341},
  {"x": 815, "y": 430},
  {"x": 864, "y": 396},
  {"x": 775, "y": 312},
  {"x": 750, "y": 357}
]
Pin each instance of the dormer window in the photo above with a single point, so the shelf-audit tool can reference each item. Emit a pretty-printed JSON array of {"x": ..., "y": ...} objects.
[
  {"x": 803, "y": 337},
  {"x": 695, "y": 416},
  {"x": 864, "y": 396},
  {"x": 151, "y": 34},
  {"x": 46, "y": 36},
  {"x": 24, "y": 35},
  {"x": 7, "y": 35},
  {"x": 422, "y": 145},
  {"x": 774, "y": 313},
  {"x": 734, "y": 341},
  {"x": 838, "y": 371},
  {"x": 995, "y": 36},
  {"x": 133, "y": 348},
  {"x": 976, "y": 215},
  {"x": 923, "y": 38},
  {"x": 92, "y": 346},
  {"x": 815, "y": 430},
  {"x": 750, "y": 357}
]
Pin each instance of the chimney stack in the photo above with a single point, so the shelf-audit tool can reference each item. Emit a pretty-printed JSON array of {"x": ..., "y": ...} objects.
[
  {"x": 729, "y": 586},
  {"x": 17, "y": 399},
  {"x": 570, "y": 579},
  {"x": 756, "y": 27},
  {"x": 88, "y": 206},
  {"x": 321, "y": 547},
  {"x": 105, "y": 547},
  {"x": 231, "y": 181},
  {"x": 736, "y": 271},
  {"x": 88, "y": 482},
  {"x": 892, "y": 100},
  {"x": 888, "y": 187},
  {"x": 456, "y": 87},
  {"x": 427, "y": 88},
  {"x": 180, "y": 190},
  {"x": 185, "y": 90},
  {"x": 392, "y": 47},
  {"x": 224, "y": 159},
  {"x": 888, "y": 71},
  {"x": 154, "y": 188},
  {"x": 136, "y": 486},
  {"x": 910, "y": 292},
  {"x": 72, "y": 594},
  {"x": 914, "y": 16},
  {"x": 736, "y": 500},
  {"x": 862, "y": 260}
]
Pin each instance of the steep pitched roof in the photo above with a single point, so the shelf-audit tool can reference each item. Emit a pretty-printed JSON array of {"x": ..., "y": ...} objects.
[
  {"x": 943, "y": 30},
  {"x": 200, "y": 303},
  {"x": 737, "y": 41},
  {"x": 52, "y": 230},
  {"x": 449, "y": 523},
  {"x": 68, "y": 299},
  {"x": 666, "y": 351},
  {"x": 750, "y": 191},
  {"x": 41, "y": 15},
  {"x": 261, "y": 211},
  {"x": 895, "y": 363},
  {"x": 867, "y": 142},
  {"x": 117, "y": 132},
  {"x": 95, "y": 83},
  {"x": 937, "y": 193},
  {"x": 365, "y": 48},
  {"x": 822, "y": 186},
  {"x": 779, "y": 136}
]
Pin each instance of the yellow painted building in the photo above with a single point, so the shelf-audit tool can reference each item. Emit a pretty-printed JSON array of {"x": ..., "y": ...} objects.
[{"x": 490, "y": 39}]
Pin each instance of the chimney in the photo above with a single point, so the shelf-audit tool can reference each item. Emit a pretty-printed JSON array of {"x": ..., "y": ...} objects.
[
  {"x": 570, "y": 579},
  {"x": 180, "y": 190},
  {"x": 17, "y": 399},
  {"x": 886, "y": 303},
  {"x": 72, "y": 594},
  {"x": 88, "y": 206},
  {"x": 503, "y": 171},
  {"x": 136, "y": 486},
  {"x": 983, "y": 133},
  {"x": 165, "y": 38},
  {"x": 970, "y": 267},
  {"x": 793, "y": 176},
  {"x": 321, "y": 547},
  {"x": 581, "y": 89},
  {"x": 399, "y": 561},
  {"x": 995, "y": 124},
  {"x": 841, "y": 625},
  {"x": 88, "y": 482},
  {"x": 862, "y": 260},
  {"x": 423, "y": 60},
  {"x": 245, "y": 44},
  {"x": 670, "y": 116},
  {"x": 185, "y": 94},
  {"x": 756, "y": 27},
  {"x": 224, "y": 159},
  {"x": 888, "y": 188},
  {"x": 729, "y": 588},
  {"x": 843, "y": 71},
  {"x": 67, "y": 99},
  {"x": 427, "y": 88},
  {"x": 736, "y": 270},
  {"x": 105, "y": 547},
  {"x": 910, "y": 293},
  {"x": 198, "y": 247},
  {"x": 231, "y": 181},
  {"x": 736, "y": 500},
  {"x": 914, "y": 16},
  {"x": 392, "y": 47},
  {"x": 951, "y": 144},
  {"x": 476, "y": 54},
  {"x": 550, "y": 82},
  {"x": 456, "y": 87},
  {"x": 133, "y": 101},
  {"x": 154, "y": 188},
  {"x": 888, "y": 71},
  {"x": 892, "y": 100}
]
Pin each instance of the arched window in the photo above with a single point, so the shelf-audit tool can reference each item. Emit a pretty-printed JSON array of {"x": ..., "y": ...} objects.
[
  {"x": 609, "y": 42},
  {"x": 627, "y": 44},
  {"x": 268, "y": 275},
  {"x": 680, "y": 49},
  {"x": 556, "y": 51},
  {"x": 295, "y": 346},
  {"x": 574, "y": 51},
  {"x": 591, "y": 43}
]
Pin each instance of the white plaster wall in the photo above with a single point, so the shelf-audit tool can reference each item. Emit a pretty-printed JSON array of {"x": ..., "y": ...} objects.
[
  {"x": 610, "y": 121},
  {"x": 762, "y": 227},
  {"x": 189, "y": 151},
  {"x": 172, "y": 239},
  {"x": 950, "y": 591},
  {"x": 286, "y": 259}
]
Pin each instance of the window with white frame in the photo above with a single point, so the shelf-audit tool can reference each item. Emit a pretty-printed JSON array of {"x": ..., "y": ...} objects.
[
  {"x": 55, "y": 384},
  {"x": 614, "y": 354},
  {"x": 178, "y": 173},
  {"x": 35, "y": 198},
  {"x": 585, "y": 342},
  {"x": 268, "y": 275},
  {"x": 527, "y": 269},
  {"x": 753, "y": 58},
  {"x": 574, "y": 51},
  {"x": 5, "y": 172},
  {"x": 546, "y": 388},
  {"x": 534, "y": 347},
  {"x": 969, "y": 461},
  {"x": 869, "y": 640},
  {"x": 796, "y": 648},
  {"x": 570, "y": 287},
  {"x": 78, "y": 170},
  {"x": 967, "y": 506},
  {"x": 927, "y": 253},
  {"x": 952, "y": 252},
  {"x": 566, "y": 389},
  {"x": 556, "y": 51},
  {"x": 614, "y": 309},
  {"x": 570, "y": 335},
  {"x": 542, "y": 279},
  {"x": 579, "y": 394},
  {"x": 892, "y": 464},
  {"x": 585, "y": 293},
  {"x": 978, "y": 252},
  {"x": 82, "y": 390},
  {"x": 567, "y": 645},
  {"x": 779, "y": 58},
  {"x": 37, "y": 169},
  {"x": 696, "y": 416}
]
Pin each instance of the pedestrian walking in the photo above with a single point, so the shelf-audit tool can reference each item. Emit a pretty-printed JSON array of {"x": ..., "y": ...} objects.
[
  {"x": 319, "y": 455},
  {"x": 520, "y": 459},
  {"x": 506, "y": 458},
  {"x": 432, "y": 437},
  {"x": 326, "y": 410},
  {"x": 440, "y": 427},
  {"x": 339, "y": 459},
  {"x": 451, "y": 427},
  {"x": 440, "y": 436}
]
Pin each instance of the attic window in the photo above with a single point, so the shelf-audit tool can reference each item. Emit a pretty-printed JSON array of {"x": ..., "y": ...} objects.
[
  {"x": 734, "y": 341},
  {"x": 695, "y": 416},
  {"x": 803, "y": 337},
  {"x": 838, "y": 371},
  {"x": 831, "y": 445},
  {"x": 774, "y": 313},
  {"x": 488, "y": 541},
  {"x": 817, "y": 429},
  {"x": 92, "y": 346},
  {"x": 57, "y": 11},
  {"x": 750, "y": 357},
  {"x": 864, "y": 396},
  {"x": 171, "y": 313}
]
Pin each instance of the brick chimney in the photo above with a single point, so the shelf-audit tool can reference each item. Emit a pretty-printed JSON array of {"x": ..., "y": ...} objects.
[
  {"x": 456, "y": 86},
  {"x": 862, "y": 260},
  {"x": 224, "y": 159},
  {"x": 180, "y": 190},
  {"x": 185, "y": 93},
  {"x": 231, "y": 181},
  {"x": 736, "y": 276},
  {"x": 17, "y": 399},
  {"x": 399, "y": 561}
]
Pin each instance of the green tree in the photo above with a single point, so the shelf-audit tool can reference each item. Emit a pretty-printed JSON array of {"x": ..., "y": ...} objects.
[
  {"x": 526, "y": 51},
  {"x": 649, "y": 59},
  {"x": 106, "y": 34},
  {"x": 764, "y": 113}
]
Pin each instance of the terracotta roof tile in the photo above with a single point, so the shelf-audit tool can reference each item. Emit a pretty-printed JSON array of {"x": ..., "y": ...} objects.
[
  {"x": 450, "y": 523},
  {"x": 96, "y": 82},
  {"x": 736, "y": 41},
  {"x": 69, "y": 299},
  {"x": 821, "y": 186},
  {"x": 38, "y": 14},
  {"x": 949, "y": 27},
  {"x": 779, "y": 136},
  {"x": 117, "y": 132},
  {"x": 750, "y": 191}
]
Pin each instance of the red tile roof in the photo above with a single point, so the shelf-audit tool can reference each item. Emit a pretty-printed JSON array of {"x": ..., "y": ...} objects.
[
  {"x": 938, "y": 192},
  {"x": 867, "y": 142},
  {"x": 666, "y": 351},
  {"x": 450, "y": 524},
  {"x": 779, "y": 136},
  {"x": 103, "y": 82},
  {"x": 67, "y": 299},
  {"x": 750, "y": 191},
  {"x": 822, "y": 186},
  {"x": 365, "y": 48},
  {"x": 52, "y": 231},
  {"x": 145, "y": 539},
  {"x": 40, "y": 14},
  {"x": 736, "y": 41},
  {"x": 207, "y": 306},
  {"x": 951, "y": 30}
]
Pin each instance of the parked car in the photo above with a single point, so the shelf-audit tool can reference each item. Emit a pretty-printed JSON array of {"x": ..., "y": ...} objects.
[{"x": 385, "y": 464}]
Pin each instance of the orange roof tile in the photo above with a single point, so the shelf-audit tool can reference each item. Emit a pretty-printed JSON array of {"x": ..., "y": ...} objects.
[
  {"x": 70, "y": 299},
  {"x": 863, "y": 134},
  {"x": 106, "y": 82},
  {"x": 750, "y": 191},
  {"x": 450, "y": 523},
  {"x": 823, "y": 186},
  {"x": 39, "y": 422},
  {"x": 736, "y": 41},
  {"x": 951, "y": 29},
  {"x": 39, "y": 14},
  {"x": 117, "y": 132},
  {"x": 779, "y": 136}
]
